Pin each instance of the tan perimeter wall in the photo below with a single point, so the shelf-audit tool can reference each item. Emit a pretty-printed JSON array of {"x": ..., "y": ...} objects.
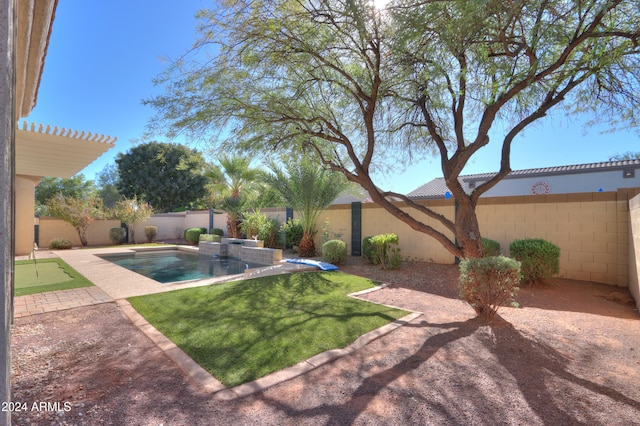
[
  {"x": 171, "y": 226},
  {"x": 598, "y": 233},
  {"x": 591, "y": 229},
  {"x": 97, "y": 233},
  {"x": 634, "y": 249}
]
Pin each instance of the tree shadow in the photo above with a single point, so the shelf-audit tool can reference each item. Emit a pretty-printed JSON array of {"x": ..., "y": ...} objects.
[
  {"x": 370, "y": 387},
  {"x": 544, "y": 378},
  {"x": 509, "y": 368}
]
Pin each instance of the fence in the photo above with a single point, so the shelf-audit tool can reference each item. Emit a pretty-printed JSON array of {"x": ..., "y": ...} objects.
[{"x": 598, "y": 233}]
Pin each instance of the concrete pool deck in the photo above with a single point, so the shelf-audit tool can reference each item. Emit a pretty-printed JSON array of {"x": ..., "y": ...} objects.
[{"x": 120, "y": 283}]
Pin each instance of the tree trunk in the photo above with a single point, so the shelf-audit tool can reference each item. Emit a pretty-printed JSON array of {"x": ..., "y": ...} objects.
[
  {"x": 307, "y": 246},
  {"x": 82, "y": 233},
  {"x": 232, "y": 226},
  {"x": 468, "y": 230}
]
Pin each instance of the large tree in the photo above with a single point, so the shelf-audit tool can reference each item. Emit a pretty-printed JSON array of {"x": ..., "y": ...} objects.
[
  {"x": 107, "y": 183},
  {"x": 50, "y": 187},
  {"x": 363, "y": 87},
  {"x": 167, "y": 176}
]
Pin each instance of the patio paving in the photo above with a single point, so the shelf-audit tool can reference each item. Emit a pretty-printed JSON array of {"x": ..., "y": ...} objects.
[{"x": 58, "y": 301}]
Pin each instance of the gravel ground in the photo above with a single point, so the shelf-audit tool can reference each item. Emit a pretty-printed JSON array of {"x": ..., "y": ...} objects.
[{"x": 569, "y": 355}]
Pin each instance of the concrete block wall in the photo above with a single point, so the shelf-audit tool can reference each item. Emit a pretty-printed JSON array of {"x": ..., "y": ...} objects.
[
  {"x": 591, "y": 229},
  {"x": 376, "y": 220}
]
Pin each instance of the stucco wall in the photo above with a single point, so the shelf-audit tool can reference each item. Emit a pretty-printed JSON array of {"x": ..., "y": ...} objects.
[
  {"x": 607, "y": 180},
  {"x": 97, "y": 233},
  {"x": 24, "y": 197},
  {"x": 171, "y": 226},
  {"x": 634, "y": 248}
]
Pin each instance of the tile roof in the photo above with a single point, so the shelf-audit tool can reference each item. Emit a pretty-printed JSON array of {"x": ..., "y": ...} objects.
[{"x": 437, "y": 188}]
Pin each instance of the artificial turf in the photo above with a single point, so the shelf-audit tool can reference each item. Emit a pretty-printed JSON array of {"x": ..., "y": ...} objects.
[
  {"x": 244, "y": 330},
  {"x": 45, "y": 275}
]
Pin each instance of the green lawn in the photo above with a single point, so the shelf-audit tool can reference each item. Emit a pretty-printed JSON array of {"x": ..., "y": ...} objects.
[
  {"x": 244, "y": 330},
  {"x": 46, "y": 275}
]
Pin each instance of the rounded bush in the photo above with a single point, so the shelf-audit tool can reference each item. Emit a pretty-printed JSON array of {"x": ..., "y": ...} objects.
[
  {"x": 488, "y": 283},
  {"x": 151, "y": 232},
  {"x": 540, "y": 259},
  {"x": 60, "y": 244},
  {"x": 192, "y": 235},
  {"x": 217, "y": 231},
  {"x": 378, "y": 250},
  {"x": 490, "y": 248},
  {"x": 369, "y": 251},
  {"x": 334, "y": 251},
  {"x": 117, "y": 235},
  {"x": 202, "y": 231}
]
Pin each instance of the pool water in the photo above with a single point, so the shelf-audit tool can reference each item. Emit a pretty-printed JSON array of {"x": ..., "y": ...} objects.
[{"x": 172, "y": 265}]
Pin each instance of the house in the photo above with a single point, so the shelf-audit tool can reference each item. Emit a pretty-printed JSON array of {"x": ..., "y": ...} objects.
[
  {"x": 45, "y": 151},
  {"x": 592, "y": 177},
  {"x": 29, "y": 153}
]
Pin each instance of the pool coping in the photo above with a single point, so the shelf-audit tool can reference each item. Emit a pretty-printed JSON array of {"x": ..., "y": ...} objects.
[{"x": 116, "y": 280}]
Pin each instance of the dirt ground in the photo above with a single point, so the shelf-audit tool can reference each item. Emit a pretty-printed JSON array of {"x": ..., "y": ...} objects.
[{"x": 570, "y": 355}]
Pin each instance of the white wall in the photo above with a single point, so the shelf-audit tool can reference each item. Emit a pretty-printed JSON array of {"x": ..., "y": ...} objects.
[{"x": 609, "y": 180}]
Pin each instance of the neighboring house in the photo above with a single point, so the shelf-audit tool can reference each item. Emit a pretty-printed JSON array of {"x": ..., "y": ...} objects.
[{"x": 592, "y": 177}]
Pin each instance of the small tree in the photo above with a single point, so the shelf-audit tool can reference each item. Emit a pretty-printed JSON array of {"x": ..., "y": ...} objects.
[
  {"x": 309, "y": 189},
  {"x": 132, "y": 211},
  {"x": 78, "y": 212}
]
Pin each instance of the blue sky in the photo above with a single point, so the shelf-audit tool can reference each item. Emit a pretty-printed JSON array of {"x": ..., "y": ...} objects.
[{"x": 103, "y": 56}]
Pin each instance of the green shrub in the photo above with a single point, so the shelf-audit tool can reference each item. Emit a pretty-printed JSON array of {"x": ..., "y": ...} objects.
[
  {"x": 540, "y": 259},
  {"x": 117, "y": 235},
  {"x": 258, "y": 225},
  {"x": 395, "y": 259},
  {"x": 60, "y": 244},
  {"x": 202, "y": 231},
  {"x": 488, "y": 283},
  {"x": 192, "y": 235},
  {"x": 334, "y": 251},
  {"x": 217, "y": 231},
  {"x": 151, "y": 232},
  {"x": 293, "y": 232},
  {"x": 490, "y": 248},
  {"x": 368, "y": 250},
  {"x": 377, "y": 249},
  {"x": 210, "y": 238}
]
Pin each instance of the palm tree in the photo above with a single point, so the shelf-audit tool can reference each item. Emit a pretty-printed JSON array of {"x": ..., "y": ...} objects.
[
  {"x": 234, "y": 185},
  {"x": 308, "y": 188}
]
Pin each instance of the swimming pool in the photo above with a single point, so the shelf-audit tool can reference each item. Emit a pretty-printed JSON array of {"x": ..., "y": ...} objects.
[{"x": 170, "y": 266}]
